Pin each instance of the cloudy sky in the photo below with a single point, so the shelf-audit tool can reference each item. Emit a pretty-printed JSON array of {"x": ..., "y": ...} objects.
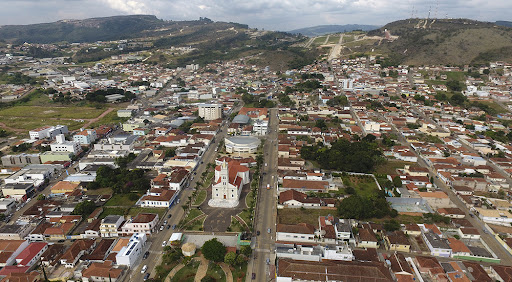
[{"x": 268, "y": 14}]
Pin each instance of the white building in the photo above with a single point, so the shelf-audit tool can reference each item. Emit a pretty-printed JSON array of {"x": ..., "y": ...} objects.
[
  {"x": 260, "y": 127},
  {"x": 61, "y": 145},
  {"x": 210, "y": 111},
  {"x": 158, "y": 198},
  {"x": 301, "y": 232},
  {"x": 110, "y": 225},
  {"x": 242, "y": 144},
  {"x": 229, "y": 181},
  {"x": 85, "y": 137},
  {"x": 142, "y": 223},
  {"x": 131, "y": 253},
  {"x": 48, "y": 132}
]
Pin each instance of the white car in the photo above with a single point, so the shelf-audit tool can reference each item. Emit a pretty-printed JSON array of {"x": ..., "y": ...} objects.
[
  {"x": 144, "y": 268},
  {"x": 164, "y": 243}
]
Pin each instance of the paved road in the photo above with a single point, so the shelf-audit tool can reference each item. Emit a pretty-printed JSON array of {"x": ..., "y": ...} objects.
[
  {"x": 155, "y": 241},
  {"x": 266, "y": 211}
]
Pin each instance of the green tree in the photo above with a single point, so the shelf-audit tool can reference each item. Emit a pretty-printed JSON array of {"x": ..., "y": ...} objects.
[
  {"x": 397, "y": 182},
  {"x": 240, "y": 259},
  {"x": 391, "y": 225},
  {"x": 246, "y": 250},
  {"x": 320, "y": 123},
  {"x": 84, "y": 208},
  {"x": 230, "y": 258},
  {"x": 213, "y": 250}
]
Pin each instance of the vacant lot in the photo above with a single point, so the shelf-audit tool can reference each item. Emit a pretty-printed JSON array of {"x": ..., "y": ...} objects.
[
  {"x": 295, "y": 216},
  {"x": 364, "y": 185},
  {"x": 390, "y": 166}
]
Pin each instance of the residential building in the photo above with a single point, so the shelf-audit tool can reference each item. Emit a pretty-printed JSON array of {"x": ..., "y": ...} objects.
[
  {"x": 85, "y": 137},
  {"x": 99, "y": 272},
  {"x": 110, "y": 225},
  {"x": 158, "y": 198},
  {"x": 73, "y": 254},
  {"x": 210, "y": 111},
  {"x": 301, "y": 232},
  {"x": 142, "y": 223},
  {"x": 9, "y": 250},
  {"x": 31, "y": 254},
  {"x": 367, "y": 239},
  {"x": 397, "y": 241},
  {"x": 20, "y": 160},
  {"x": 438, "y": 246}
]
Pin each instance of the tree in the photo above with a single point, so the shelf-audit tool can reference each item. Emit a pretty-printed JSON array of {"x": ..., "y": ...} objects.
[
  {"x": 391, "y": 225},
  {"x": 40, "y": 197},
  {"x": 397, "y": 182},
  {"x": 213, "y": 250},
  {"x": 240, "y": 259},
  {"x": 246, "y": 250},
  {"x": 230, "y": 258},
  {"x": 320, "y": 123},
  {"x": 84, "y": 208}
]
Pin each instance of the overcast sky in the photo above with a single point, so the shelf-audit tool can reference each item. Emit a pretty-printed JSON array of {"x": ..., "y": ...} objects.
[{"x": 268, "y": 14}]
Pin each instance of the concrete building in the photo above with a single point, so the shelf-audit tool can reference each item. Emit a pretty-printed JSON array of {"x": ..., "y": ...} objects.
[
  {"x": 438, "y": 246},
  {"x": 48, "y": 132},
  {"x": 242, "y": 144},
  {"x": 85, "y": 137},
  {"x": 110, "y": 225},
  {"x": 61, "y": 145},
  {"x": 260, "y": 127},
  {"x": 50, "y": 156},
  {"x": 229, "y": 181},
  {"x": 301, "y": 232},
  {"x": 20, "y": 160},
  {"x": 142, "y": 223},
  {"x": 131, "y": 253},
  {"x": 210, "y": 111}
]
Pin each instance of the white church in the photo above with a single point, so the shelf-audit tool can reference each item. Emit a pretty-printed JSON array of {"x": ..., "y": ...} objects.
[{"x": 229, "y": 180}]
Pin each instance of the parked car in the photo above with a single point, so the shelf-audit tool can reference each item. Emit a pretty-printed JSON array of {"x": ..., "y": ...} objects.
[
  {"x": 168, "y": 226},
  {"x": 161, "y": 227},
  {"x": 253, "y": 276},
  {"x": 146, "y": 255},
  {"x": 258, "y": 233},
  {"x": 146, "y": 277},
  {"x": 269, "y": 230},
  {"x": 164, "y": 243},
  {"x": 169, "y": 216},
  {"x": 144, "y": 268},
  {"x": 173, "y": 226}
]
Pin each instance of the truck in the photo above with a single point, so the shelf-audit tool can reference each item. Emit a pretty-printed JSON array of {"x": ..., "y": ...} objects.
[{"x": 268, "y": 186}]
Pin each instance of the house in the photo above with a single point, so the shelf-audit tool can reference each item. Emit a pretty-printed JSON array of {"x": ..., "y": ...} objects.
[
  {"x": 412, "y": 229},
  {"x": 494, "y": 216},
  {"x": 431, "y": 266},
  {"x": 367, "y": 239},
  {"x": 468, "y": 233},
  {"x": 229, "y": 181},
  {"x": 438, "y": 246},
  {"x": 31, "y": 254},
  {"x": 58, "y": 231},
  {"x": 158, "y": 198},
  {"x": 397, "y": 241},
  {"x": 104, "y": 271},
  {"x": 15, "y": 231},
  {"x": 10, "y": 249},
  {"x": 452, "y": 212},
  {"x": 101, "y": 251},
  {"x": 92, "y": 230},
  {"x": 304, "y": 185},
  {"x": 110, "y": 225},
  {"x": 142, "y": 223},
  {"x": 301, "y": 232},
  {"x": 64, "y": 187},
  {"x": 295, "y": 198},
  {"x": 400, "y": 267},
  {"x": 458, "y": 248},
  {"x": 437, "y": 199},
  {"x": 73, "y": 254},
  {"x": 130, "y": 253}
]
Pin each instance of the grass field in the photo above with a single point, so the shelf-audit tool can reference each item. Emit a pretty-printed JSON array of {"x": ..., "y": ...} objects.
[
  {"x": 28, "y": 123},
  {"x": 364, "y": 186},
  {"x": 348, "y": 38},
  {"x": 295, "y": 216},
  {"x": 115, "y": 211},
  {"x": 239, "y": 272},
  {"x": 499, "y": 109},
  {"x": 122, "y": 200},
  {"x": 136, "y": 210},
  {"x": 187, "y": 273},
  {"x": 363, "y": 42},
  {"x": 51, "y": 112},
  {"x": 319, "y": 40},
  {"x": 245, "y": 216},
  {"x": 193, "y": 214},
  {"x": 333, "y": 39},
  {"x": 110, "y": 118},
  {"x": 455, "y": 75},
  {"x": 215, "y": 271},
  {"x": 201, "y": 196},
  {"x": 390, "y": 166}
]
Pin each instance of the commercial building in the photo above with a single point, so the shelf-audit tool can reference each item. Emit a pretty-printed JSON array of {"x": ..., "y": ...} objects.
[
  {"x": 61, "y": 145},
  {"x": 20, "y": 160},
  {"x": 210, "y": 111},
  {"x": 48, "y": 132},
  {"x": 242, "y": 144},
  {"x": 130, "y": 253},
  {"x": 85, "y": 137}
]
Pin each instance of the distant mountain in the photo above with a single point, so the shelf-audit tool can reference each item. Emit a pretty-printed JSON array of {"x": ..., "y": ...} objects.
[
  {"x": 504, "y": 23},
  {"x": 327, "y": 29},
  {"x": 443, "y": 41},
  {"x": 88, "y": 30}
]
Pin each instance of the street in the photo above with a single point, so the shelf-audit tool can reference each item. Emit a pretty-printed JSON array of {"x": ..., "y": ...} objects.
[
  {"x": 155, "y": 241},
  {"x": 266, "y": 209}
]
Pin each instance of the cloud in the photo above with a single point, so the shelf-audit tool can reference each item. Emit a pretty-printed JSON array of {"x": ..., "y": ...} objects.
[
  {"x": 128, "y": 6},
  {"x": 268, "y": 14}
]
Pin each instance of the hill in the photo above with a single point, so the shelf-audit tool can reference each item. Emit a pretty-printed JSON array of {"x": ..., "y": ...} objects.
[
  {"x": 92, "y": 30},
  {"x": 327, "y": 29},
  {"x": 443, "y": 41},
  {"x": 504, "y": 23}
]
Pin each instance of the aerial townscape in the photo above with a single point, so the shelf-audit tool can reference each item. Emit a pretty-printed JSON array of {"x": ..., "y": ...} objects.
[{"x": 138, "y": 149}]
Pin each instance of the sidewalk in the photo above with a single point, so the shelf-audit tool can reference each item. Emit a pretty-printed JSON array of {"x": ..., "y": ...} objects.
[{"x": 203, "y": 268}]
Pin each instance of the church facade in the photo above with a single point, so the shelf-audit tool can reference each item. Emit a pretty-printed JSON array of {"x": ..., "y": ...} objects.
[{"x": 230, "y": 177}]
